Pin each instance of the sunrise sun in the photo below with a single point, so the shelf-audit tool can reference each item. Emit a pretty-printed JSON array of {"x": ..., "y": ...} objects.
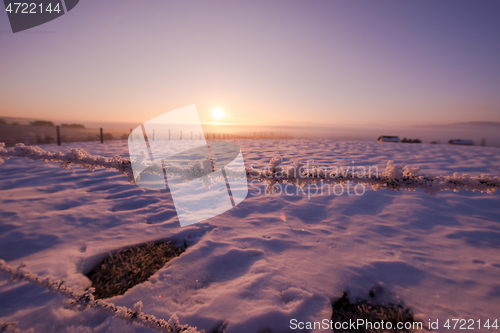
[{"x": 217, "y": 113}]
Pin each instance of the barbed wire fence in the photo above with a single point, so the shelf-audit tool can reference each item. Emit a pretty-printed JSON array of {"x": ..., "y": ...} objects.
[
  {"x": 394, "y": 177},
  {"x": 87, "y": 301}
]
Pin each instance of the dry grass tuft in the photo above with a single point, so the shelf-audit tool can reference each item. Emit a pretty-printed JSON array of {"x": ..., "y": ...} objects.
[
  {"x": 129, "y": 267},
  {"x": 344, "y": 311}
]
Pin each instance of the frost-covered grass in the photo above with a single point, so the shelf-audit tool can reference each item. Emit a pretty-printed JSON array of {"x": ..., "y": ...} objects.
[
  {"x": 370, "y": 311},
  {"x": 129, "y": 267}
]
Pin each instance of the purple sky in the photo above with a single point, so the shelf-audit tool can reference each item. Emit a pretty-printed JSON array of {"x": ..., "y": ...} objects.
[{"x": 263, "y": 62}]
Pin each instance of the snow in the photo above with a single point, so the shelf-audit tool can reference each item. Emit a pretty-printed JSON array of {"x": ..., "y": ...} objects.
[{"x": 247, "y": 270}]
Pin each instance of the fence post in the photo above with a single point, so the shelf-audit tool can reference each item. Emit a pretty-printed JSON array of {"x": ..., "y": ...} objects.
[
  {"x": 58, "y": 134},
  {"x": 131, "y": 137},
  {"x": 181, "y": 135},
  {"x": 169, "y": 134},
  {"x": 102, "y": 136}
]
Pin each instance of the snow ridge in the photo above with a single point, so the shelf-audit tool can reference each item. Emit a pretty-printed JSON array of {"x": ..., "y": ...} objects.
[
  {"x": 87, "y": 301},
  {"x": 394, "y": 178}
]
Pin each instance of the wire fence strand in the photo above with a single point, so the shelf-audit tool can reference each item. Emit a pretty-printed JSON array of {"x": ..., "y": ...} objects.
[
  {"x": 394, "y": 177},
  {"x": 87, "y": 301}
]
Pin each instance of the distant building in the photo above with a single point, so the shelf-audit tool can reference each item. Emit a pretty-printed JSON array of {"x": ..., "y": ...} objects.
[
  {"x": 461, "y": 142},
  {"x": 388, "y": 138},
  {"x": 411, "y": 141}
]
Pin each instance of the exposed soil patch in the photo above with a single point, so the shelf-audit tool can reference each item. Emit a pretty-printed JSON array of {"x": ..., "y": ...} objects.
[{"x": 129, "y": 267}]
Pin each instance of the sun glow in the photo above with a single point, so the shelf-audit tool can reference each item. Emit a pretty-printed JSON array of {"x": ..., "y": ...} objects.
[{"x": 217, "y": 113}]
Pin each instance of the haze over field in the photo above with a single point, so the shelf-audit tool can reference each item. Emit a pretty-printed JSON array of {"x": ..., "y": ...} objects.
[{"x": 482, "y": 133}]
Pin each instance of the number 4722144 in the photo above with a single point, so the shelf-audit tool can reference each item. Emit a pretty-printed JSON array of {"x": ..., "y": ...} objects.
[
  {"x": 31, "y": 8},
  {"x": 470, "y": 324}
]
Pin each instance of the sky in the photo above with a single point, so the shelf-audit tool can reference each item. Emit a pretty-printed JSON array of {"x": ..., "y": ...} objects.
[{"x": 317, "y": 63}]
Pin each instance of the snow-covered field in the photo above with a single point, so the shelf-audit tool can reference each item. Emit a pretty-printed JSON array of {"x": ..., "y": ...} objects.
[{"x": 247, "y": 270}]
